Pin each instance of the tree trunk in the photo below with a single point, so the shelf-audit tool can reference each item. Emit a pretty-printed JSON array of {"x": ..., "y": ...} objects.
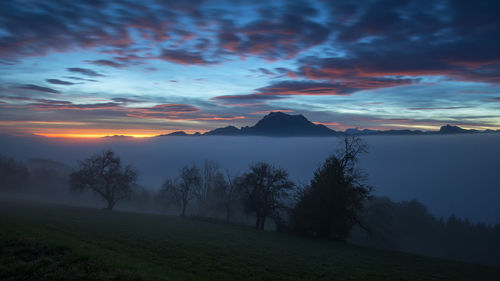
[
  {"x": 228, "y": 214},
  {"x": 262, "y": 222},
  {"x": 183, "y": 210},
  {"x": 257, "y": 222},
  {"x": 110, "y": 206}
]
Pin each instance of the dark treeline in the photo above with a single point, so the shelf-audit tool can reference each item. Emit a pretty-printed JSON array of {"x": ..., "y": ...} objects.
[
  {"x": 408, "y": 226},
  {"x": 336, "y": 204},
  {"x": 38, "y": 176}
]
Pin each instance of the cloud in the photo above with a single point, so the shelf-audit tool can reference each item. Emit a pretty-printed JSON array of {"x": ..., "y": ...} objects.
[
  {"x": 59, "y": 82},
  {"x": 107, "y": 63},
  {"x": 266, "y": 71},
  {"x": 14, "y": 98},
  {"x": 415, "y": 38},
  {"x": 80, "y": 79},
  {"x": 431, "y": 37},
  {"x": 85, "y": 71},
  {"x": 171, "y": 108},
  {"x": 276, "y": 34},
  {"x": 184, "y": 57},
  {"x": 438, "y": 108},
  {"x": 126, "y": 100},
  {"x": 48, "y": 106},
  {"x": 287, "y": 88},
  {"x": 37, "y": 88},
  {"x": 309, "y": 88}
]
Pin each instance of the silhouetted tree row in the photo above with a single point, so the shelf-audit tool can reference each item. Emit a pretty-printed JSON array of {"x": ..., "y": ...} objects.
[
  {"x": 15, "y": 177},
  {"x": 409, "y": 226}
]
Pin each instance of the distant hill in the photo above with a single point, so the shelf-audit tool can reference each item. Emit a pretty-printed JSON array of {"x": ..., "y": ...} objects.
[
  {"x": 46, "y": 164},
  {"x": 279, "y": 124},
  {"x": 180, "y": 134},
  {"x": 226, "y": 131}
]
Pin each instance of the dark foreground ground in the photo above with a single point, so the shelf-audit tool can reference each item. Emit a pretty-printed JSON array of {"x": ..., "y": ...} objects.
[{"x": 52, "y": 242}]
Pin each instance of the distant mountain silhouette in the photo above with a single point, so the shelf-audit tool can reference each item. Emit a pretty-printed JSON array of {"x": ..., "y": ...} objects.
[
  {"x": 178, "y": 133},
  {"x": 285, "y": 125},
  {"x": 448, "y": 129},
  {"x": 279, "y": 124},
  {"x": 226, "y": 131}
]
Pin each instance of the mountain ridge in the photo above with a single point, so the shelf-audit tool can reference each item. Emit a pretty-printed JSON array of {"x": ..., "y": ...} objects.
[{"x": 280, "y": 124}]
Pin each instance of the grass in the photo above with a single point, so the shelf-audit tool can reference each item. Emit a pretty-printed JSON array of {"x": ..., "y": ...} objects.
[{"x": 52, "y": 242}]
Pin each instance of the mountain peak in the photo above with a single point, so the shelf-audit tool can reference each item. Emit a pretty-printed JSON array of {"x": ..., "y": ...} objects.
[
  {"x": 282, "y": 124},
  {"x": 449, "y": 129}
]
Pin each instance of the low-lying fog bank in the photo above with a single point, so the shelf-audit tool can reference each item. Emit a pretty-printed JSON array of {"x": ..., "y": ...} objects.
[{"x": 451, "y": 173}]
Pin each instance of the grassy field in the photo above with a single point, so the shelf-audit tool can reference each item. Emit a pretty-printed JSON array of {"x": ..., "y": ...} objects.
[{"x": 52, "y": 242}]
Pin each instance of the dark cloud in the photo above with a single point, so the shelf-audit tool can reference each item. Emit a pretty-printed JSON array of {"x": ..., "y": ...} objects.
[
  {"x": 59, "y": 82},
  {"x": 53, "y": 102},
  {"x": 26, "y": 99},
  {"x": 438, "y": 108},
  {"x": 119, "y": 108},
  {"x": 286, "y": 88},
  {"x": 125, "y": 100},
  {"x": 15, "y": 98},
  {"x": 107, "y": 63},
  {"x": 452, "y": 38},
  {"x": 44, "y": 26},
  {"x": 85, "y": 71},
  {"x": 44, "y": 105},
  {"x": 80, "y": 79},
  {"x": 173, "y": 108},
  {"x": 457, "y": 39},
  {"x": 362, "y": 45},
  {"x": 37, "y": 88},
  {"x": 184, "y": 57},
  {"x": 342, "y": 87},
  {"x": 283, "y": 34},
  {"x": 266, "y": 71}
]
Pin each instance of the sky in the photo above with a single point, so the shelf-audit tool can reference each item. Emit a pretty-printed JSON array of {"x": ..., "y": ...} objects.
[{"x": 142, "y": 68}]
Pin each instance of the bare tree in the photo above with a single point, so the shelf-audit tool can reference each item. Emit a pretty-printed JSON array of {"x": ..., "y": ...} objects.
[
  {"x": 209, "y": 181},
  {"x": 104, "y": 174},
  {"x": 169, "y": 193},
  {"x": 189, "y": 182},
  {"x": 265, "y": 187},
  {"x": 230, "y": 194}
]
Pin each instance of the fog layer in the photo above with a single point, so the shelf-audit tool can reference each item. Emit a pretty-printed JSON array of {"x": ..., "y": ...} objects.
[{"x": 450, "y": 174}]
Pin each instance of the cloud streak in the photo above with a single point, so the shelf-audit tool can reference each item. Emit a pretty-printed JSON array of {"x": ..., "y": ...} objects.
[
  {"x": 37, "y": 88},
  {"x": 85, "y": 71}
]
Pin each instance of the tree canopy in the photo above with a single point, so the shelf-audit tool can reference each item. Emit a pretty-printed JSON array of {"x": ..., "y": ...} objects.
[
  {"x": 264, "y": 187},
  {"x": 104, "y": 174},
  {"x": 331, "y": 205}
]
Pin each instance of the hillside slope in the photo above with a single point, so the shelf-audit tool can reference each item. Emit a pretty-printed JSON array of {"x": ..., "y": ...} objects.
[{"x": 49, "y": 242}]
